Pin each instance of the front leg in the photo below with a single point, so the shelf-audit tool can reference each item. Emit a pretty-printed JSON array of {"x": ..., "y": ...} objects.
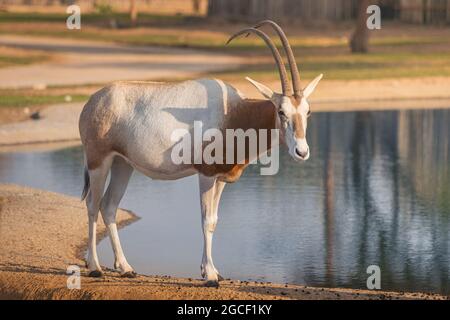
[{"x": 210, "y": 192}]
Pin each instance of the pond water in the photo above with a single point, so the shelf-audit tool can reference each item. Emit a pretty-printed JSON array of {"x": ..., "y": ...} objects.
[{"x": 376, "y": 191}]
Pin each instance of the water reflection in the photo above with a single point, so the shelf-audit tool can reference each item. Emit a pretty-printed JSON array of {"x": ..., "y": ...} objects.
[{"x": 376, "y": 190}]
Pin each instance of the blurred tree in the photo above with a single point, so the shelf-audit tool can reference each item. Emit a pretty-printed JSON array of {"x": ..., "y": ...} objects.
[
  {"x": 359, "y": 41},
  {"x": 106, "y": 10},
  {"x": 287, "y": 11},
  {"x": 133, "y": 13},
  {"x": 196, "y": 6}
]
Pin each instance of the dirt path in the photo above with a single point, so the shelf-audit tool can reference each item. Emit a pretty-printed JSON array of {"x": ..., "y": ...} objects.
[
  {"x": 85, "y": 62},
  {"x": 42, "y": 233}
]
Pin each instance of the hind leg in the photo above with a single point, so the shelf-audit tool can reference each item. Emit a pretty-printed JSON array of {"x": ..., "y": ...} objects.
[
  {"x": 120, "y": 176},
  {"x": 97, "y": 179}
]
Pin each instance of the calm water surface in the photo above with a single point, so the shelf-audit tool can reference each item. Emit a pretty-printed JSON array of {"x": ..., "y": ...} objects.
[{"x": 376, "y": 191}]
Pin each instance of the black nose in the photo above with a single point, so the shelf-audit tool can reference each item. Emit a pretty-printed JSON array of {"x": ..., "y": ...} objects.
[{"x": 301, "y": 154}]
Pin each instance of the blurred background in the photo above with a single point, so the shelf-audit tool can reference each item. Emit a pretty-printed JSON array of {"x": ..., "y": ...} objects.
[
  {"x": 414, "y": 41},
  {"x": 375, "y": 191}
]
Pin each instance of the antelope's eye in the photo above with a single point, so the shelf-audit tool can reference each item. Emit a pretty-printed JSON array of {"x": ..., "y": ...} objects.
[
  {"x": 309, "y": 113},
  {"x": 282, "y": 115}
]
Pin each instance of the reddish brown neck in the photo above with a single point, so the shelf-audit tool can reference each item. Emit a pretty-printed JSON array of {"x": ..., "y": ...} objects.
[{"x": 251, "y": 114}]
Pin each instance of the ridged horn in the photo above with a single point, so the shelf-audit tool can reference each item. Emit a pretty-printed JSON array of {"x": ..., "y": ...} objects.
[
  {"x": 295, "y": 74},
  {"x": 276, "y": 54}
]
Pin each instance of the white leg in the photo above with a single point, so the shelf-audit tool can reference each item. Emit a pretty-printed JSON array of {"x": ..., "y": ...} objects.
[
  {"x": 210, "y": 192},
  {"x": 97, "y": 179},
  {"x": 217, "y": 194},
  {"x": 120, "y": 176}
]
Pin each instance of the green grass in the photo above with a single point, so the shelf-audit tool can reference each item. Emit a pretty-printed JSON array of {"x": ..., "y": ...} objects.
[
  {"x": 8, "y": 60},
  {"x": 20, "y": 100},
  {"x": 213, "y": 41},
  {"x": 96, "y": 18},
  {"x": 95, "y": 27},
  {"x": 358, "y": 67},
  {"x": 391, "y": 56}
]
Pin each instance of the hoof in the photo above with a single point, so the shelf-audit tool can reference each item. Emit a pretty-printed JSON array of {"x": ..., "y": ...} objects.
[
  {"x": 220, "y": 278},
  {"x": 95, "y": 274},
  {"x": 212, "y": 284},
  {"x": 129, "y": 274}
]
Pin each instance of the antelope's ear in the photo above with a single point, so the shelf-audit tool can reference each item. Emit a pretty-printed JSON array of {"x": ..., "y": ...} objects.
[
  {"x": 265, "y": 91},
  {"x": 311, "y": 86}
]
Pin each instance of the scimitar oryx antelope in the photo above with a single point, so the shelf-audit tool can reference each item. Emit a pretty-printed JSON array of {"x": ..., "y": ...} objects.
[{"x": 128, "y": 125}]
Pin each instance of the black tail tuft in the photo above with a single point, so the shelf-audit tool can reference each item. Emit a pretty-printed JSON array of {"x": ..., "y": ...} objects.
[{"x": 86, "y": 184}]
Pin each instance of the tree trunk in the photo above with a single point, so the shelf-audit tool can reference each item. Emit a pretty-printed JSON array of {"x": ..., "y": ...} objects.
[
  {"x": 133, "y": 13},
  {"x": 359, "y": 42},
  {"x": 196, "y": 6}
]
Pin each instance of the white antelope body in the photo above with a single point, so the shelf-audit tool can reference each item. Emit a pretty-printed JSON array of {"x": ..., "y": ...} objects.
[{"x": 129, "y": 125}]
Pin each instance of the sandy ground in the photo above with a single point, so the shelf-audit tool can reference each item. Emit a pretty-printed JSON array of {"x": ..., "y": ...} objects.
[
  {"x": 59, "y": 123},
  {"x": 79, "y": 62},
  {"x": 21, "y": 53},
  {"x": 42, "y": 233}
]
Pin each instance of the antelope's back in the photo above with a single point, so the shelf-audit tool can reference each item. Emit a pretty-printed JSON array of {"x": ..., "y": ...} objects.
[{"x": 138, "y": 118}]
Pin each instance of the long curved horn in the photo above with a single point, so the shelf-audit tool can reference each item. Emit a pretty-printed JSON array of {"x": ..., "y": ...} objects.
[
  {"x": 278, "y": 59},
  {"x": 295, "y": 74}
]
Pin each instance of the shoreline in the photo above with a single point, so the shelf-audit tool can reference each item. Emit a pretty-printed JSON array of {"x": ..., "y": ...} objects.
[
  {"x": 31, "y": 276},
  {"x": 58, "y": 127},
  {"x": 59, "y": 123},
  {"x": 33, "y": 263}
]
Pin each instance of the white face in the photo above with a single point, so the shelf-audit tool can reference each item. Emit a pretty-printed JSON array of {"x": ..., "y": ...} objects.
[
  {"x": 293, "y": 117},
  {"x": 293, "y": 121}
]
